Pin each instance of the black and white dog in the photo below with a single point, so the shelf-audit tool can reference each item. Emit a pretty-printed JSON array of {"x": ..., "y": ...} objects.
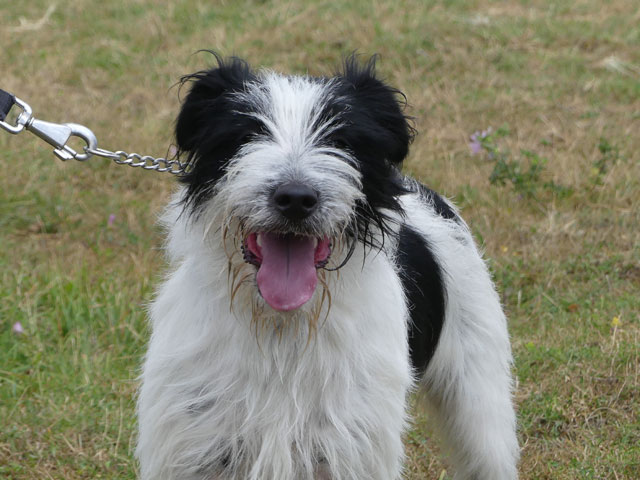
[{"x": 312, "y": 286}]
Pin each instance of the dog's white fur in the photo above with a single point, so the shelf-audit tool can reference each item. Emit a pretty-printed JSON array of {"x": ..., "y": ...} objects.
[{"x": 276, "y": 401}]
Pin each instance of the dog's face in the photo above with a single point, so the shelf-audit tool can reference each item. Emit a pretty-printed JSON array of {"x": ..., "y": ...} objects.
[{"x": 292, "y": 166}]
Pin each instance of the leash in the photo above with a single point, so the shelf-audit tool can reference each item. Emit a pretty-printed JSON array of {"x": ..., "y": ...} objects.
[{"x": 58, "y": 135}]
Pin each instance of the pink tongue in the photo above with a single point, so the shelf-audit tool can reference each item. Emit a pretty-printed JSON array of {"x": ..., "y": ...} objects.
[{"x": 287, "y": 276}]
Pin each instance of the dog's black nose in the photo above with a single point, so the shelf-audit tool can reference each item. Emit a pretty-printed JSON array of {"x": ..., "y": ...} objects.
[{"x": 295, "y": 200}]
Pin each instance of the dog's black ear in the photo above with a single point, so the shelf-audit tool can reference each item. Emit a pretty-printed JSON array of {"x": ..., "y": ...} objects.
[
  {"x": 376, "y": 132},
  {"x": 210, "y": 127},
  {"x": 377, "y": 124},
  {"x": 208, "y": 104}
]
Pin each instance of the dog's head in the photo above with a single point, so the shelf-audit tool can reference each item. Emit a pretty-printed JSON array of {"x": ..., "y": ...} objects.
[{"x": 293, "y": 166}]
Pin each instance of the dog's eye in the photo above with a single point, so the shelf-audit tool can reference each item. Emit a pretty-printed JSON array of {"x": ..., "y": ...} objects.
[
  {"x": 340, "y": 143},
  {"x": 246, "y": 138}
]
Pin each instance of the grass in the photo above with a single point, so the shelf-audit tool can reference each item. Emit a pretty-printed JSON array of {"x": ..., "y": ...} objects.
[{"x": 561, "y": 78}]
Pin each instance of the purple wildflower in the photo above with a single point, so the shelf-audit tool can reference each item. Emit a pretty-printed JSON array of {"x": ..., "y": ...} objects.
[
  {"x": 112, "y": 218},
  {"x": 17, "y": 328},
  {"x": 475, "y": 144},
  {"x": 476, "y": 140}
]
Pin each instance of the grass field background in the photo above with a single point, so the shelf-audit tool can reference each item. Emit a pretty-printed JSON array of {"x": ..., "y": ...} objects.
[{"x": 558, "y": 83}]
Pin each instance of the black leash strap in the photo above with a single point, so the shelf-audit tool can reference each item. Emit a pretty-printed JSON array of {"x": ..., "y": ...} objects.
[{"x": 6, "y": 102}]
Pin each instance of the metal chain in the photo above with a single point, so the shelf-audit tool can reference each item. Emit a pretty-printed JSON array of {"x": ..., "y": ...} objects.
[{"x": 147, "y": 162}]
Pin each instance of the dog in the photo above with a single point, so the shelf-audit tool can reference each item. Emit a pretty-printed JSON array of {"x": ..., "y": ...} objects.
[{"x": 312, "y": 289}]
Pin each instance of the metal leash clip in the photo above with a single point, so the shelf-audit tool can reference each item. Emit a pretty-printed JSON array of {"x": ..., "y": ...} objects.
[
  {"x": 55, "y": 134},
  {"x": 58, "y": 134}
]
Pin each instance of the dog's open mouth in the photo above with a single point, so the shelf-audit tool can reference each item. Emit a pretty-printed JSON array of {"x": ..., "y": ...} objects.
[{"x": 287, "y": 265}]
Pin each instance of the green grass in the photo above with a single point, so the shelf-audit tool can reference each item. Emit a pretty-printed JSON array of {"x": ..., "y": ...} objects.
[{"x": 563, "y": 78}]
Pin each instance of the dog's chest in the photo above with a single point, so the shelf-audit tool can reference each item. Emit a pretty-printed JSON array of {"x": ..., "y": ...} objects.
[
  {"x": 300, "y": 404},
  {"x": 279, "y": 404}
]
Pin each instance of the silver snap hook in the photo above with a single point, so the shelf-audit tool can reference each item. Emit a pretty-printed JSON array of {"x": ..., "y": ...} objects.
[{"x": 58, "y": 135}]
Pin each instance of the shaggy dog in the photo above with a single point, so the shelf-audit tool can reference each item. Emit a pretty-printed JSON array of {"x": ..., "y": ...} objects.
[{"x": 312, "y": 287}]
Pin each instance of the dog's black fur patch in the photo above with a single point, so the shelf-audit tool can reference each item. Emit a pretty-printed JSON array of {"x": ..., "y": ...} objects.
[
  {"x": 377, "y": 133},
  {"x": 441, "y": 207},
  {"x": 423, "y": 285},
  {"x": 211, "y": 127}
]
